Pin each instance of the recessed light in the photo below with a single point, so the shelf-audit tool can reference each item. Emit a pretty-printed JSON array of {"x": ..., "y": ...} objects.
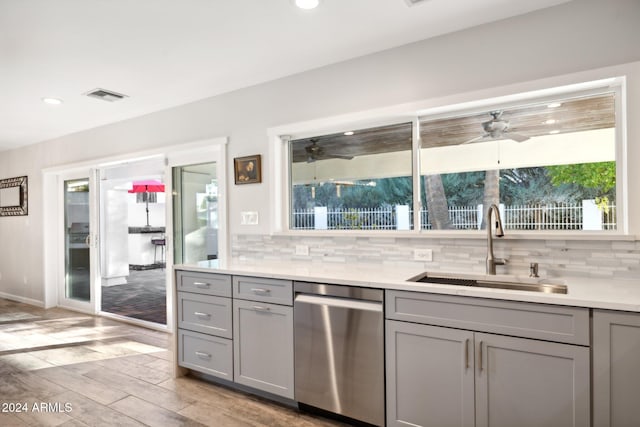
[
  {"x": 52, "y": 101},
  {"x": 307, "y": 4},
  {"x": 553, "y": 132},
  {"x": 554, "y": 105},
  {"x": 349, "y": 133},
  {"x": 550, "y": 122}
]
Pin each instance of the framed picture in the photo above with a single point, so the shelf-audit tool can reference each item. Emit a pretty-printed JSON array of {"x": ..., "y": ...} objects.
[
  {"x": 247, "y": 170},
  {"x": 13, "y": 196}
]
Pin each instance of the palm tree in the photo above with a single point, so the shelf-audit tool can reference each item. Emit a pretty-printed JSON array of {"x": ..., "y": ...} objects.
[{"x": 436, "y": 202}]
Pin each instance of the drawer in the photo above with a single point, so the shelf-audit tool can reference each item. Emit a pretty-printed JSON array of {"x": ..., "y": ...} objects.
[
  {"x": 205, "y": 353},
  {"x": 205, "y": 313},
  {"x": 204, "y": 283},
  {"x": 275, "y": 291},
  {"x": 528, "y": 320}
]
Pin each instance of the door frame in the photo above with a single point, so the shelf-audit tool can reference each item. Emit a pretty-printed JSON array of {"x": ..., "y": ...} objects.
[
  {"x": 200, "y": 151},
  {"x": 54, "y": 240}
]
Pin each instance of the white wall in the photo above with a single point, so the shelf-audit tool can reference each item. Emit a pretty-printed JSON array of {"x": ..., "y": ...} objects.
[{"x": 488, "y": 60}]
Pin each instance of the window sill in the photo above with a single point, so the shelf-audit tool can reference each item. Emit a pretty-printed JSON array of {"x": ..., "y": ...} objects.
[{"x": 460, "y": 234}]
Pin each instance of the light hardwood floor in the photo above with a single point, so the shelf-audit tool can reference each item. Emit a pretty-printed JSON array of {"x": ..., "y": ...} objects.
[{"x": 61, "y": 368}]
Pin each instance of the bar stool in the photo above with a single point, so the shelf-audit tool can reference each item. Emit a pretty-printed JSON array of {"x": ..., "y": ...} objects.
[{"x": 158, "y": 242}]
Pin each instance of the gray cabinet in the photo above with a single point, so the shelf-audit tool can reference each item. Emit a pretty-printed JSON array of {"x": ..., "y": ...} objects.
[
  {"x": 238, "y": 328},
  {"x": 263, "y": 346},
  {"x": 438, "y": 375},
  {"x": 523, "y": 382},
  {"x": 204, "y": 316},
  {"x": 430, "y": 375},
  {"x": 263, "y": 334},
  {"x": 616, "y": 369}
]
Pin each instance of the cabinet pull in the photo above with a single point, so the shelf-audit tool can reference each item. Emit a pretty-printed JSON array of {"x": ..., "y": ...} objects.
[
  {"x": 202, "y": 285},
  {"x": 197, "y": 313},
  {"x": 260, "y": 308},
  {"x": 480, "y": 356},
  {"x": 203, "y": 355},
  {"x": 466, "y": 353},
  {"x": 260, "y": 290}
]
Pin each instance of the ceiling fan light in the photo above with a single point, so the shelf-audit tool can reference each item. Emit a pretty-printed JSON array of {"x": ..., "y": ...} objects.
[
  {"x": 348, "y": 133},
  {"x": 554, "y": 105},
  {"x": 52, "y": 101},
  {"x": 307, "y": 4}
]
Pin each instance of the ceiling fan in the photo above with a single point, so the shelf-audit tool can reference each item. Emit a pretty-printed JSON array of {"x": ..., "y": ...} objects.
[
  {"x": 316, "y": 152},
  {"x": 497, "y": 128}
]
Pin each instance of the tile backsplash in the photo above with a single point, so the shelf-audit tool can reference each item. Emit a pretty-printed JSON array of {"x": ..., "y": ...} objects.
[{"x": 584, "y": 258}]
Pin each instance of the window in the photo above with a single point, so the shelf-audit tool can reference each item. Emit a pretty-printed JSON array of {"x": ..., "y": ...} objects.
[
  {"x": 358, "y": 179},
  {"x": 548, "y": 163}
]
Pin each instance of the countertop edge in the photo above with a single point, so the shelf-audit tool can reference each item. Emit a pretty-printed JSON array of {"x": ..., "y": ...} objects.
[{"x": 631, "y": 304}]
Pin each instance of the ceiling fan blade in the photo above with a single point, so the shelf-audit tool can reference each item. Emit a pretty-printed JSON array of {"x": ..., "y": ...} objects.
[
  {"x": 516, "y": 136},
  {"x": 477, "y": 139},
  {"x": 338, "y": 156}
]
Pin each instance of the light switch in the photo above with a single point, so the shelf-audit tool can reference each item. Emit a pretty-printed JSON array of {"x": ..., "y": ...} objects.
[{"x": 249, "y": 218}]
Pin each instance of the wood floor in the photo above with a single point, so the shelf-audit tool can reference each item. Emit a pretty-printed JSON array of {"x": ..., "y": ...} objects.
[{"x": 61, "y": 368}]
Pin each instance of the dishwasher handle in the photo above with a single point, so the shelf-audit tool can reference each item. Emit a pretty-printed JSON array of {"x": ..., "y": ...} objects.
[{"x": 338, "y": 302}]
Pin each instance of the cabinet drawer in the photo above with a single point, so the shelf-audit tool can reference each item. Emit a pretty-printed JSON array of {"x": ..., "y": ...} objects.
[
  {"x": 204, "y": 283},
  {"x": 275, "y": 291},
  {"x": 205, "y": 313},
  {"x": 528, "y": 320},
  {"x": 205, "y": 353}
]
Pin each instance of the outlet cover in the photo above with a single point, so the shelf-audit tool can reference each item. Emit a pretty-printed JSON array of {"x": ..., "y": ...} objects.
[
  {"x": 248, "y": 218},
  {"x": 423, "y": 255},
  {"x": 302, "y": 250}
]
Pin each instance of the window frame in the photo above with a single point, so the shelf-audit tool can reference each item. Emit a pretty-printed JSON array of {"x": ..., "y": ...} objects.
[{"x": 279, "y": 150}]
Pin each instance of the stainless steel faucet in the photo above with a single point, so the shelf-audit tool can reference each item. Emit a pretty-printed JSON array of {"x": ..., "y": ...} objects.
[{"x": 491, "y": 260}]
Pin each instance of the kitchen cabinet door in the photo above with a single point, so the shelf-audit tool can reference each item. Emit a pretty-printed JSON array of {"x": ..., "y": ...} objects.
[
  {"x": 522, "y": 382},
  {"x": 616, "y": 369},
  {"x": 430, "y": 374},
  {"x": 263, "y": 346}
]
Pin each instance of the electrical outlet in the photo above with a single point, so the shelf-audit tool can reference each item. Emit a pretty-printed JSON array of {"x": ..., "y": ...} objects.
[
  {"x": 423, "y": 255},
  {"x": 302, "y": 250}
]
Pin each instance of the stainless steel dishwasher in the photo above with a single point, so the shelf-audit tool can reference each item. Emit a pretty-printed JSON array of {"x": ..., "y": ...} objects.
[{"x": 339, "y": 350}]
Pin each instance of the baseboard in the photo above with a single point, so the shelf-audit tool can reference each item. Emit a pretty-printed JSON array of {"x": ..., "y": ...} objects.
[{"x": 17, "y": 298}]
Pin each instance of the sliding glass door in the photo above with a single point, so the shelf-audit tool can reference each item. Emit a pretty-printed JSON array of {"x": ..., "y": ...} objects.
[{"x": 78, "y": 228}]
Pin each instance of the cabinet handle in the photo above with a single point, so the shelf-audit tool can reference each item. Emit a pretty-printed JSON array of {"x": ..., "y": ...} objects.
[
  {"x": 202, "y": 284},
  {"x": 260, "y": 308},
  {"x": 197, "y": 313},
  {"x": 466, "y": 353},
  {"x": 480, "y": 356},
  {"x": 203, "y": 355},
  {"x": 260, "y": 290}
]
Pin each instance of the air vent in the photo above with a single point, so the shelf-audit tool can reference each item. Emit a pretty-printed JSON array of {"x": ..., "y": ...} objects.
[
  {"x": 105, "y": 95},
  {"x": 415, "y": 2}
]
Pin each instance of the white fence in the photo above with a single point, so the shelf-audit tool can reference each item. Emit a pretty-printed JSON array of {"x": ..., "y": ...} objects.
[{"x": 582, "y": 216}]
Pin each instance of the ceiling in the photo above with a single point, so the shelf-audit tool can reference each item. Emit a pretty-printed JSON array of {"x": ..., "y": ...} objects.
[{"x": 164, "y": 53}]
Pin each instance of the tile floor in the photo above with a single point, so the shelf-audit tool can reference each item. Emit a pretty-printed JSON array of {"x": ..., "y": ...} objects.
[{"x": 61, "y": 368}]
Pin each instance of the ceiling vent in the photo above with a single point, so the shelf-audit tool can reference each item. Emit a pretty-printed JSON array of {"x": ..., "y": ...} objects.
[
  {"x": 415, "y": 2},
  {"x": 105, "y": 95}
]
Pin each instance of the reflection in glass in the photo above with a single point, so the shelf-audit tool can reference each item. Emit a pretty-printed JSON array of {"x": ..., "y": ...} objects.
[
  {"x": 195, "y": 213},
  {"x": 359, "y": 179},
  {"x": 76, "y": 220}
]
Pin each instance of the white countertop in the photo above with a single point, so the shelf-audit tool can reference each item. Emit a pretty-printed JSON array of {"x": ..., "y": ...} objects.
[{"x": 582, "y": 292}]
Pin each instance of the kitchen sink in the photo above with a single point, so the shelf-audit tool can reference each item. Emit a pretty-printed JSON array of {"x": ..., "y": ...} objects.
[{"x": 549, "y": 286}]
